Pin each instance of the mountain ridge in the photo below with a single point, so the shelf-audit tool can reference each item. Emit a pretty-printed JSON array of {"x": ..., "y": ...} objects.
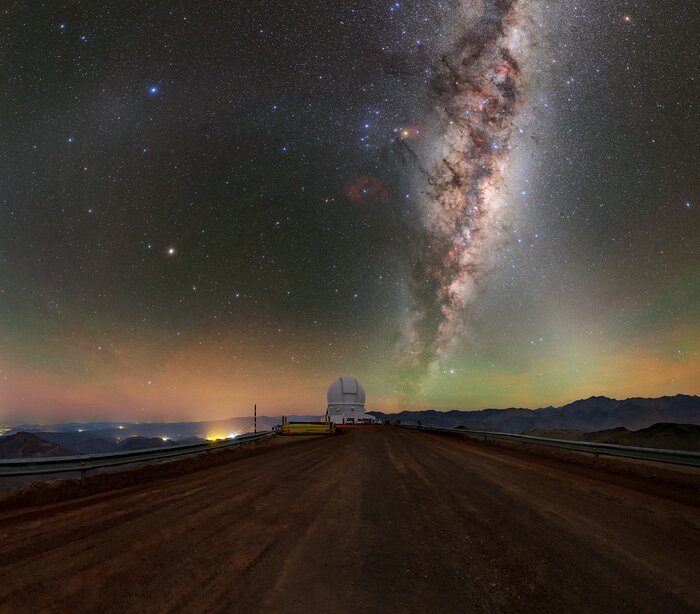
[
  {"x": 596, "y": 413},
  {"x": 29, "y": 445}
]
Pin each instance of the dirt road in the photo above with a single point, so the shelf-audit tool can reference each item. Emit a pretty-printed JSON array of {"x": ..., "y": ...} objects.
[{"x": 375, "y": 520}]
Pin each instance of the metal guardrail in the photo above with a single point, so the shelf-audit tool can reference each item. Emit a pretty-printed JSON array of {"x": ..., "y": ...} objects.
[
  {"x": 675, "y": 457},
  {"x": 62, "y": 464}
]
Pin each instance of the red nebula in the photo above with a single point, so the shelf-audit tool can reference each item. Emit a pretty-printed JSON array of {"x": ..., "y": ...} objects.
[{"x": 366, "y": 190}]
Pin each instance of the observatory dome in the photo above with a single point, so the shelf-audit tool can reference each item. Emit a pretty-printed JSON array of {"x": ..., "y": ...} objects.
[{"x": 346, "y": 390}]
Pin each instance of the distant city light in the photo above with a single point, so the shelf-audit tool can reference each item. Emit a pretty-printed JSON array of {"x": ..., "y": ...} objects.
[{"x": 220, "y": 436}]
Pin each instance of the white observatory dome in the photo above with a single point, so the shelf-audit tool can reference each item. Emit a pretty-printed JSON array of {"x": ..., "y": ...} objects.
[{"x": 346, "y": 390}]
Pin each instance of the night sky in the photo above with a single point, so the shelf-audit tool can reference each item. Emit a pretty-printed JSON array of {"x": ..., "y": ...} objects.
[{"x": 464, "y": 204}]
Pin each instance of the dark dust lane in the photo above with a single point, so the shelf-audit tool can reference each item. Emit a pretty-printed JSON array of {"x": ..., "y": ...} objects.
[{"x": 376, "y": 520}]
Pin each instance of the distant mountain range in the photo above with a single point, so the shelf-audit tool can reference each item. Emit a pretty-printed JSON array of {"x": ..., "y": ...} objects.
[
  {"x": 175, "y": 431},
  {"x": 40, "y": 444},
  {"x": 593, "y": 414}
]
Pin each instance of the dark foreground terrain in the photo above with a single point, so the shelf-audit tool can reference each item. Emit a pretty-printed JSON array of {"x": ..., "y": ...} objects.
[{"x": 375, "y": 520}]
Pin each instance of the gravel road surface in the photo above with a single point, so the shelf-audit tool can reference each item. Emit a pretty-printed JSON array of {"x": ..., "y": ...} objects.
[{"x": 380, "y": 519}]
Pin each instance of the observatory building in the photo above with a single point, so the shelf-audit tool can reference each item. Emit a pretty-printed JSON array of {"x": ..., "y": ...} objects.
[{"x": 346, "y": 402}]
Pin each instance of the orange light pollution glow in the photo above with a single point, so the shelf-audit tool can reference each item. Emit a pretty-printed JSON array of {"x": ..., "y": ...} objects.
[{"x": 206, "y": 382}]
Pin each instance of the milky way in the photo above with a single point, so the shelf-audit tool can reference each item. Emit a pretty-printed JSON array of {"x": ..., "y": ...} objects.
[
  {"x": 476, "y": 91},
  {"x": 464, "y": 203}
]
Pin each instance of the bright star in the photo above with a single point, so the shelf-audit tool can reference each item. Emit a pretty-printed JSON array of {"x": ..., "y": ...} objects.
[{"x": 153, "y": 90}]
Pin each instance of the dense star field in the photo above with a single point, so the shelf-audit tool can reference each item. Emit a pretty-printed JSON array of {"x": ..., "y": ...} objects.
[{"x": 464, "y": 204}]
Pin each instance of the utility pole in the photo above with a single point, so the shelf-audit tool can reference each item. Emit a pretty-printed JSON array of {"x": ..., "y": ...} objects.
[{"x": 255, "y": 418}]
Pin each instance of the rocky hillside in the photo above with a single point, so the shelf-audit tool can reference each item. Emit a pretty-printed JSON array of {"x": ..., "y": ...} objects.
[
  {"x": 661, "y": 435},
  {"x": 28, "y": 445}
]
